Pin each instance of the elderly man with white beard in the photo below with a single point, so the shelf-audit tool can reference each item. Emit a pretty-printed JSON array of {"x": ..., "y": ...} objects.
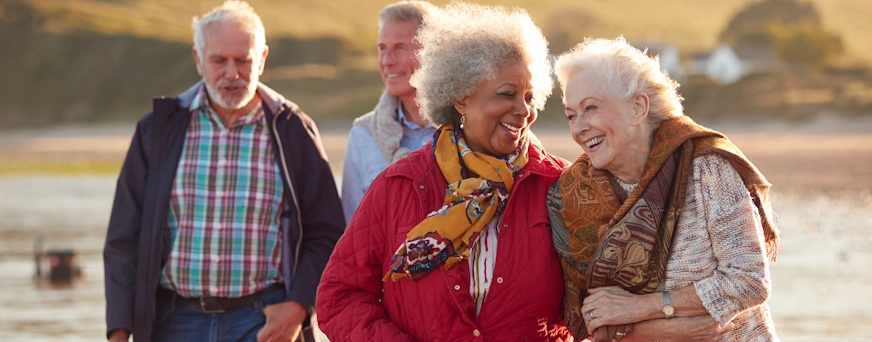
[{"x": 225, "y": 211}]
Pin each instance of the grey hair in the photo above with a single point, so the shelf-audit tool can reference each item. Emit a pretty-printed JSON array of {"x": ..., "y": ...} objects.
[
  {"x": 624, "y": 71},
  {"x": 406, "y": 10},
  {"x": 465, "y": 44},
  {"x": 238, "y": 12}
]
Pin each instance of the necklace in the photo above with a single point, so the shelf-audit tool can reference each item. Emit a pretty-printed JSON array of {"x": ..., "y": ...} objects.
[{"x": 627, "y": 187}]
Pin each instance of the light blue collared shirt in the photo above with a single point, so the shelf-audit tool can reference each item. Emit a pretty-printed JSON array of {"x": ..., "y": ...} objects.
[{"x": 364, "y": 160}]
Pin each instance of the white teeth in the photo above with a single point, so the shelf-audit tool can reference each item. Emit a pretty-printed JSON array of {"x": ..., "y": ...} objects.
[
  {"x": 595, "y": 141},
  {"x": 511, "y": 128}
]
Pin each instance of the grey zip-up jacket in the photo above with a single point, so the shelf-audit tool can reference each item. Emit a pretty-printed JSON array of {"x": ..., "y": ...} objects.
[{"x": 136, "y": 248}]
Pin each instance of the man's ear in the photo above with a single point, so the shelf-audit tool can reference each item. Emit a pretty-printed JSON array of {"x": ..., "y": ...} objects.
[
  {"x": 640, "y": 108},
  {"x": 263, "y": 59},
  {"x": 197, "y": 61}
]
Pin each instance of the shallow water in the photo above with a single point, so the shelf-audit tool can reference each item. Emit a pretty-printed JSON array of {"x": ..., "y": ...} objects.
[
  {"x": 71, "y": 212},
  {"x": 821, "y": 281}
]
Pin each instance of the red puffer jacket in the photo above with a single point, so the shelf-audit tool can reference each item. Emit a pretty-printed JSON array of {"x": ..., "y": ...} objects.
[{"x": 353, "y": 304}]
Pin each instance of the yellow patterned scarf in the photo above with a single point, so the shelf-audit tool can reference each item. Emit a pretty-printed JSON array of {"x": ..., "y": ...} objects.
[
  {"x": 478, "y": 189},
  {"x": 623, "y": 239}
]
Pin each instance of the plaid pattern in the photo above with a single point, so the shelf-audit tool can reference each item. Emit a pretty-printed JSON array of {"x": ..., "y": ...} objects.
[{"x": 224, "y": 208}]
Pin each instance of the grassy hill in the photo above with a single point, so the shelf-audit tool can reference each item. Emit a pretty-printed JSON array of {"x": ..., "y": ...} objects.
[
  {"x": 687, "y": 23},
  {"x": 101, "y": 60}
]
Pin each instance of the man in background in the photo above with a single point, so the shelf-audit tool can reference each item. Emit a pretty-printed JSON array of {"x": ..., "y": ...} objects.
[
  {"x": 394, "y": 128},
  {"x": 225, "y": 211}
]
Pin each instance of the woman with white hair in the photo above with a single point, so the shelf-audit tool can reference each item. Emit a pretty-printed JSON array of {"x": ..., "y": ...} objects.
[
  {"x": 452, "y": 242},
  {"x": 659, "y": 217}
]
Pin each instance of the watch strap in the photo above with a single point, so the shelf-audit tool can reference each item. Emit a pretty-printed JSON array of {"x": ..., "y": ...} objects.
[
  {"x": 666, "y": 299},
  {"x": 668, "y": 309}
]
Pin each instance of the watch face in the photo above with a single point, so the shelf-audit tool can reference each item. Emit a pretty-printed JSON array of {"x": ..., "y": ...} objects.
[{"x": 669, "y": 310}]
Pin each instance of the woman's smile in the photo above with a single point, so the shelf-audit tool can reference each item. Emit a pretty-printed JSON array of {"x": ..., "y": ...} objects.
[{"x": 498, "y": 114}]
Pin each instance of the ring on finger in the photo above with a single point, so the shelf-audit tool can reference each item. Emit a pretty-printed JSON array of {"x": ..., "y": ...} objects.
[{"x": 590, "y": 315}]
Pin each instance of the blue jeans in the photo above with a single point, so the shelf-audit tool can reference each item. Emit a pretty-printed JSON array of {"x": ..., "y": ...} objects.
[{"x": 185, "y": 325}]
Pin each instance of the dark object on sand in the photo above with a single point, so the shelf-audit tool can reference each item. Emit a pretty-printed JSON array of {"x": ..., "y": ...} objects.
[{"x": 61, "y": 263}]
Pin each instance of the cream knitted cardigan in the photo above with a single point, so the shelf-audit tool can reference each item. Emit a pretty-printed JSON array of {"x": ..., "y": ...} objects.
[{"x": 719, "y": 248}]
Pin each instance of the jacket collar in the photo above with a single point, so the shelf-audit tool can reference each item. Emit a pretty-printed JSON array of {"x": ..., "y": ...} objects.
[
  {"x": 540, "y": 162},
  {"x": 272, "y": 100}
]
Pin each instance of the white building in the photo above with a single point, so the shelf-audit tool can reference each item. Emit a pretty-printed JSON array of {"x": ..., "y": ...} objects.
[
  {"x": 726, "y": 65},
  {"x": 721, "y": 65}
]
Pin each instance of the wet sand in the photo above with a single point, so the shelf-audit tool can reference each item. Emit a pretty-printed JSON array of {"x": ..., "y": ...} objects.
[{"x": 822, "y": 194}]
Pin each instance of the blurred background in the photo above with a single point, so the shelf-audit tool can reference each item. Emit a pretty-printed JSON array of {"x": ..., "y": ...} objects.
[{"x": 789, "y": 81}]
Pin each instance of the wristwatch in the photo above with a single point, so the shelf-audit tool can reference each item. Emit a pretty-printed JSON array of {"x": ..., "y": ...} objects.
[{"x": 668, "y": 309}]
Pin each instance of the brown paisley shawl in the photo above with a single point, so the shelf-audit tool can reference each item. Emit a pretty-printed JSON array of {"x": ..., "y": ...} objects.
[{"x": 606, "y": 237}]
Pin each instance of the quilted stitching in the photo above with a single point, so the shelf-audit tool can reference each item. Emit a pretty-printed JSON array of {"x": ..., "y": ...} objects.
[{"x": 350, "y": 305}]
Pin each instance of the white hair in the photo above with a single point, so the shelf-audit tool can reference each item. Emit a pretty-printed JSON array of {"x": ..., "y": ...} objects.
[
  {"x": 406, "y": 10},
  {"x": 465, "y": 44},
  {"x": 232, "y": 11},
  {"x": 624, "y": 71}
]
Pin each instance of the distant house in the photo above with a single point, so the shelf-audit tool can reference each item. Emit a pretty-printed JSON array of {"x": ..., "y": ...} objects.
[
  {"x": 668, "y": 57},
  {"x": 757, "y": 59},
  {"x": 726, "y": 64},
  {"x": 722, "y": 65}
]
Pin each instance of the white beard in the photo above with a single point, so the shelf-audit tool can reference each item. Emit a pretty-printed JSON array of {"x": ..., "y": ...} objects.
[{"x": 231, "y": 103}]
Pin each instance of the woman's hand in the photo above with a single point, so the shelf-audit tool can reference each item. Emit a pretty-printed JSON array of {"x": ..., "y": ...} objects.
[
  {"x": 611, "y": 305},
  {"x": 611, "y": 332},
  {"x": 686, "y": 329}
]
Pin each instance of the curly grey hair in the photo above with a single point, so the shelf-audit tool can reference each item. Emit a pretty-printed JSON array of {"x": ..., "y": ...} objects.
[
  {"x": 465, "y": 44},
  {"x": 624, "y": 71}
]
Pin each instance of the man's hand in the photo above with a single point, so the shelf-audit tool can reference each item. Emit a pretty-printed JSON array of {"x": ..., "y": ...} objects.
[
  {"x": 283, "y": 322},
  {"x": 119, "y": 335}
]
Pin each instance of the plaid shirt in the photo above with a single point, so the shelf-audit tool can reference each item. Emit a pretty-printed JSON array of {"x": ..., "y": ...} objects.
[{"x": 224, "y": 208}]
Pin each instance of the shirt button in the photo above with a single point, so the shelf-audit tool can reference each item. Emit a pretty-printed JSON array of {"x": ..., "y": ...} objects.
[
  {"x": 213, "y": 290},
  {"x": 457, "y": 287},
  {"x": 421, "y": 186},
  {"x": 216, "y": 226},
  {"x": 214, "y": 258},
  {"x": 505, "y": 225},
  {"x": 222, "y": 162},
  {"x": 476, "y": 333},
  {"x": 219, "y": 193},
  {"x": 500, "y": 280}
]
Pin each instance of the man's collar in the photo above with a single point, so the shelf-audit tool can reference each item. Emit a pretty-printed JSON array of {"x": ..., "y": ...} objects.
[
  {"x": 199, "y": 98},
  {"x": 272, "y": 101},
  {"x": 401, "y": 117}
]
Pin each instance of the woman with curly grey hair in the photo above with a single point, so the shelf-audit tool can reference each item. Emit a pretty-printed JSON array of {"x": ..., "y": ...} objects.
[
  {"x": 452, "y": 242},
  {"x": 661, "y": 219}
]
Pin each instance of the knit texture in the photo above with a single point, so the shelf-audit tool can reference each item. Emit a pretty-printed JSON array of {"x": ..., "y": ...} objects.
[
  {"x": 385, "y": 127},
  {"x": 719, "y": 247}
]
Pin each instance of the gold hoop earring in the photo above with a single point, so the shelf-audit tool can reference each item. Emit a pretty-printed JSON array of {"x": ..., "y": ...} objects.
[{"x": 462, "y": 120}]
